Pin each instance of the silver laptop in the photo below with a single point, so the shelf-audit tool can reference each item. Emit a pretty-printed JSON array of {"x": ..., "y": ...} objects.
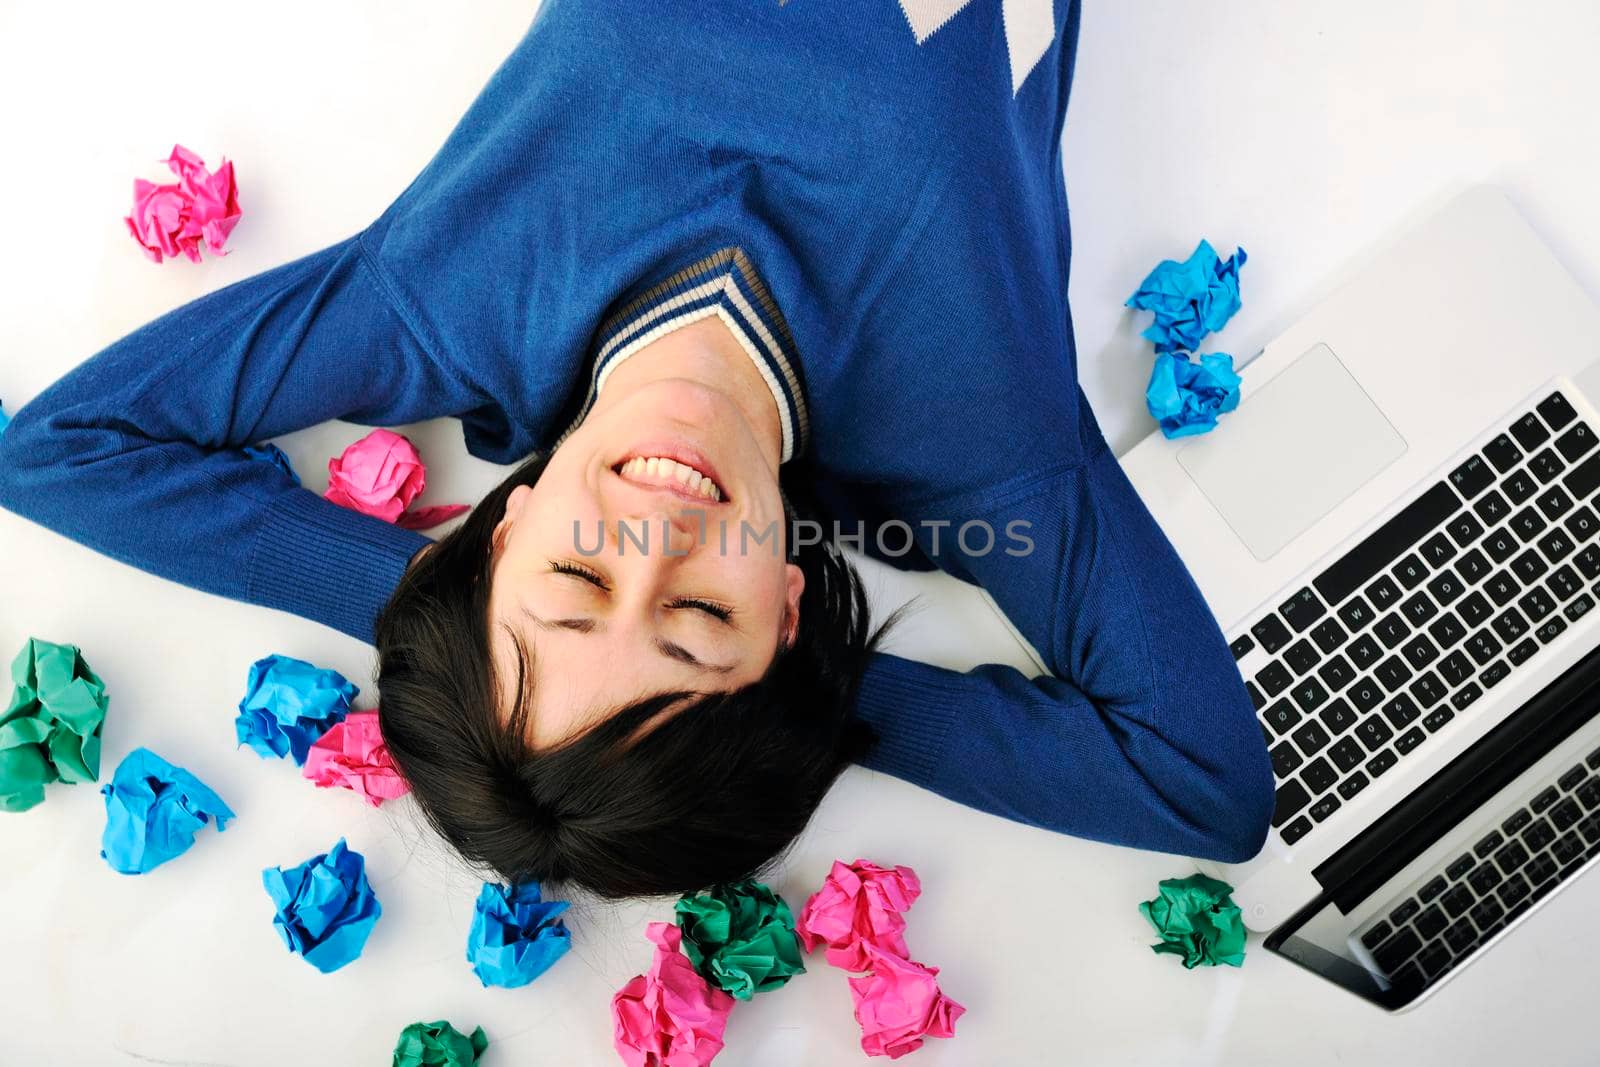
[{"x": 1399, "y": 532}]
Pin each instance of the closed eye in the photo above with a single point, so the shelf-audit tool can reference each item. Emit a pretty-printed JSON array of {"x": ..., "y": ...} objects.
[
  {"x": 716, "y": 611},
  {"x": 561, "y": 566}
]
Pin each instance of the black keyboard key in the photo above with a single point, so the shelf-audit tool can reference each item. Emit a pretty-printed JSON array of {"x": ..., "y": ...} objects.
[
  {"x": 1328, "y": 635},
  {"x": 1381, "y": 762},
  {"x": 1503, "y": 453},
  {"x": 1513, "y": 890},
  {"x": 1302, "y": 609},
  {"x": 1530, "y": 565},
  {"x": 1519, "y": 486},
  {"x": 1393, "y": 673},
  {"x": 1432, "y": 890},
  {"x": 1428, "y": 690},
  {"x": 1578, "y": 608},
  {"x": 1292, "y": 796},
  {"x": 1464, "y": 528},
  {"x": 1295, "y": 830},
  {"x": 1272, "y": 634},
  {"x": 1588, "y": 561},
  {"x": 1510, "y": 625},
  {"x": 1572, "y": 778},
  {"x": 1281, "y": 716},
  {"x": 1374, "y": 733},
  {"x": 1301, "y": 656},
  {"x": 1473, "y": 566},
  {"x": 1462, "y": 935},
  {"x": 1575, "y": 442},
  {"x": 1377, "y": 935},
  {"x": 1241, "y": 646},
  {"x": 1527, "y": 524},
  {"x": 1257, "y": 701},
  {"x": 1472, "y": 477},
  {"x": 1556, "y": 545},
  {"x": 1418, "y": 608},
  {"x": 1458, "y": 869},
  {"x": 1482, "y": 646},
  {"x": 1445, "y": 586},
  {"x": 1486, "y": 847},
  {"x": 1309, "y": 694},
  {"x": 1594, "y": 760},
  {"x": 1457, "y": 901},
  {"x": 1346, "y": 754},
  {"x": 1447, "y": 630},
  {"x": 1522, "y": 651},
  {"x": 1566, "y": 814},
  {"x": 1516, "y": 821},
  {"x": 1391, "y": 629},
  {"x": 1465, "y": 696},
  {"x": 1437, "y": 550},
  {"x": 1590, "y": 829},
  {"x": 1588, "y": 793},
  {"x": 1397, "y": 950},
  {"x": 1555, "y": 410},
  {"x": 1336, "y": 673},
  {"x": 1365, "y": 694},
  {"x": 1568, "y": 848},
  {"x": 1409, "y": 740},
  {"x": 1274, "y": 678},
  {"x": 1318, "y": 775},
  {"x": 1403, "y": 913},
  {"x": 1582, "y": 524},
  {"x": 1353, "y": 785},
  {"x": 1536, "y": 604},
  {"x": 1431, "y": 922},
  {"x": 1311, "y": 737},
  {"x": 1364, "y": 651},
  {"x": 1491, "y": 507},
  {"x": 1436, "y": 719},
  {"x": 1337, "y": 717},
  {"x": 1554, "y": 503},
  {"x": 1501, "y": 545},
  {"x": 1539, "y": 869},
  {"x": 1544, "y": 799},
  {"x": 1383, "y": 593},
  {"x": 1285, "y": 759},
  {"x": 1582, "y": 479},
  {"x": 1538, "y": 835},
  {"x": 1529, "y": 431},
  {"x": 1414, "y": 522},
  {"x": 1325, "y": 807},
  {"x": 1546, "y": 465},
  {"x": 1494, "y": 674},
  {"x": 1355, "y": 614},
  {"x": 1410, "y": 571},
  {"x": 1511, "y": 857},
  {"x": 1401, "y": 711},
  {"x": 1456, "y": 668},
  {"x": 1501, "y": 587},
  {"x": 1487, "y": 913},
  {"x": 1419, "y": 652},
  {"x": 1485, "y": 878},
  {"x": 1550, "y": 629}
]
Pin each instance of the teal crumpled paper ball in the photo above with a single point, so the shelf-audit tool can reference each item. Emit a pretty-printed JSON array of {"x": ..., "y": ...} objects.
[{"x": 1197, "y": 920}]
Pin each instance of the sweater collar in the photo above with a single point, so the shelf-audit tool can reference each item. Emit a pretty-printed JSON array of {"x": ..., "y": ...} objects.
[{"x": 725, "y": 284}]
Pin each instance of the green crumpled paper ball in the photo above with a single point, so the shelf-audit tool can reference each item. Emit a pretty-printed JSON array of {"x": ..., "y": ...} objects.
[
  {"x": 740, "y": 936},
  {"x": 1198, "y": 921},
  {"x": 50, "y": 731},
  {"x": 438, "y": 1044}
]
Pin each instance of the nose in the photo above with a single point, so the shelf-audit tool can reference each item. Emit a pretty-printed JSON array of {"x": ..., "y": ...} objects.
[{"x": 662, "y": 532}]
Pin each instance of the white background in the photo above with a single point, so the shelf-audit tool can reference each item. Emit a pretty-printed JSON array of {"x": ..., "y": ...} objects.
[{"x": 1303, "y": 131}]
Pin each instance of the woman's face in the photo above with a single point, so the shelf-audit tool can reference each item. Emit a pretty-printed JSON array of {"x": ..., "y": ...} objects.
[{"x": 627, "y": 578}]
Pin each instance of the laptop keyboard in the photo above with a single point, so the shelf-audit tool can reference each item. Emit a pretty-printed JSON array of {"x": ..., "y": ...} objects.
[
  {"x": 1537, "y": 846},
  {"x": 1468, "y": 582}
]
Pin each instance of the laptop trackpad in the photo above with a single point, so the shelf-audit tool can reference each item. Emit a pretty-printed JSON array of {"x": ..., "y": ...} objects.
[{"x": 1291, "y": 452}]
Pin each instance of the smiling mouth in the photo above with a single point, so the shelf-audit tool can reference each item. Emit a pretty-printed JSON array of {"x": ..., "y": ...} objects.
[{"x": 663, "y": 472}]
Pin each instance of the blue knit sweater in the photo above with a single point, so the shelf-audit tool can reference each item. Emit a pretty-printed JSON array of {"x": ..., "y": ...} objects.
[{"x": 893, "y": 174}]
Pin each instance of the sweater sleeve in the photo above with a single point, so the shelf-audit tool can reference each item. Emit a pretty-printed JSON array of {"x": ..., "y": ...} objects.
[
  {"x": 1141, "y": 735},
  {"x": 138, "y": 451}
]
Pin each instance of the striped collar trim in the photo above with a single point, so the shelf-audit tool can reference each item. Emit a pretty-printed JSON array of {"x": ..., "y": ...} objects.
[{"x": 724, "y": 284}]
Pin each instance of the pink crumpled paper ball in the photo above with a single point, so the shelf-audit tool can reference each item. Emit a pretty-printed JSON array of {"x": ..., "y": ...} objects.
[
  {"x": 860, "y": 904},
  {"x": 176, "y": 217},
  {"x": 899, "y": 1004},
  {"x": 670, "y": 1017},
  {"x": 351, "y": 754},
  {"x": 380, "y": 475}
]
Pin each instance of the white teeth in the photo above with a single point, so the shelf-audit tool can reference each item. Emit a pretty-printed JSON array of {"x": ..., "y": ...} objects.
[
  {"x": 663, "y": 467},
  {"x": 652, "y": 466}
]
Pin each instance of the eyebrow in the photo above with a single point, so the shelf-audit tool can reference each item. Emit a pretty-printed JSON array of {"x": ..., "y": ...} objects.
[{"x": 670, "y": 649}]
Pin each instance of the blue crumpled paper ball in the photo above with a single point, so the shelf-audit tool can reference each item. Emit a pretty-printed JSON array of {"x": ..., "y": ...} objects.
[
  {"x": 153, "y": 810},
  {"x": 326, "y": 909},
  {"x": 271, "y": 453},
  {"x": 288, "y": 704},
  {"x": 515, "y": 936},
  {"x": 1189, "y": 299},
  {"x": 1186, "y": 397}
]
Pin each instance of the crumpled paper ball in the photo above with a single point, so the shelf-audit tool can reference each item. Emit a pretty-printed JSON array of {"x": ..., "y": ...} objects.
[
  {"x": 899, "y": 1003},
  {"x": 288, "y": 704},
  {"x": 515, "y": 935},
  {"x": 325, "y": 908},
  {"x": 176, "y": 217},
  {"x": 438, "y": 1044},
  {"x": 1197, "y": 920},
  {"x": 351, "y": 754},
  {"x": 50, "y": 730},
  {"x": 741, "y": 937},
  {"x": 1186, "y": 397},
  {"x": 670, "y": 1017},
  {"x": 380, "y": 475},
  {"x": 859, "y": 904},
  {"x": 1189, "y": 299},
  {"x": 271, "y": 453},
  {"x": 153, "y": 811}
]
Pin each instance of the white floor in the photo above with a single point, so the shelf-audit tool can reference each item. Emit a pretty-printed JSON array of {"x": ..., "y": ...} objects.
[{"x": 1303, "y": 131}]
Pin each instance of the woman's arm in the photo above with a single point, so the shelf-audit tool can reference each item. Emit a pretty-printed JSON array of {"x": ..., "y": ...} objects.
[
  {"x": 138, "y": 452},
  {"x": 1143, "y": 734}
]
